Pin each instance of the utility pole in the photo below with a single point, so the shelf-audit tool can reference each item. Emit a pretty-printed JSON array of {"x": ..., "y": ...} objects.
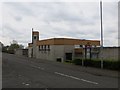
[{"x": 101, "y": 34}]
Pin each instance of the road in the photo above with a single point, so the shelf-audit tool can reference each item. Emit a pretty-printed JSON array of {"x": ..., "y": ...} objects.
[{"x": 23, "y": 72}]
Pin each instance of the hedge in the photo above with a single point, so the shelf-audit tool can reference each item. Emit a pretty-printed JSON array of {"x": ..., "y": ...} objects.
[
  {"x": 113, "y": 65},
  {"x": 92, "y": 63},
  {"x": 77, "y": 61}
]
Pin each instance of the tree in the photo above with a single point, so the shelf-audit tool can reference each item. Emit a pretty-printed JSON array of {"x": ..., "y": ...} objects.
[
  {"x": 12, "y": 48},
  {"x": 14, "y": 42},
  {"x": 5, "y": 49},
  {"x": 21, "y": 46}
]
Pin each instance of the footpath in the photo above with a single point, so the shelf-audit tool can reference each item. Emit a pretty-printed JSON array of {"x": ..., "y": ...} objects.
[{"x": 100, "y": 72}]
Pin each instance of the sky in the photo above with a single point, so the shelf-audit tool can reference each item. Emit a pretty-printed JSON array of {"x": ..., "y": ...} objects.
[{"x": 58, "y": 19}]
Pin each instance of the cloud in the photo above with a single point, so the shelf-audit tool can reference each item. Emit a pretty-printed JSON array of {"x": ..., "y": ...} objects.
[
  {"x": 18, "y": 18},
  {"x": 19, "y": 8},
  {"x": 59, "y": 19}
]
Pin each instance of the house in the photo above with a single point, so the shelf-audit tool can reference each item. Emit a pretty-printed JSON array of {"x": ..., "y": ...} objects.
[{"x": 60, "y": 49}]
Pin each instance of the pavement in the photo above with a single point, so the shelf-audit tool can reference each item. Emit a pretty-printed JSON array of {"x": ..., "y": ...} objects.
[{"x": 24, "y": 72}]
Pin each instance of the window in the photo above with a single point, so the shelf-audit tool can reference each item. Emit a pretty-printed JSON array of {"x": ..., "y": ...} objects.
[
  {"x": 35, "y": 37},
  {"x": 39, "y": 48},
  {"x": 81, "y": 46},
  {"x": 42, "y": 47},
  {"x": 45, "y": 47},
  {"x": 48, "y": 47}
]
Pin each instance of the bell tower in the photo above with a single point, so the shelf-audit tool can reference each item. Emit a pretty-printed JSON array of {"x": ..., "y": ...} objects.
[{"x": 35, "y": 36}]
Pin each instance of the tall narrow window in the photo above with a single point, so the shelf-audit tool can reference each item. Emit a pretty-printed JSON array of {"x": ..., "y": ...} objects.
[
  {"x": 45, "y": 47},
  {"x": 42, "y": 47},
  {"x": 48, "y": 47},
  {"x": 39, "y": 48}
]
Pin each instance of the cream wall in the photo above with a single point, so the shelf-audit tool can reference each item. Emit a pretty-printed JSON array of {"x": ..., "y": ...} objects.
[
  {"x": 56, "y": 51},
  {"x": 46, "y": 55},
  {"x": 30, "y": 52},
  {"x": 109, "y": 53}
]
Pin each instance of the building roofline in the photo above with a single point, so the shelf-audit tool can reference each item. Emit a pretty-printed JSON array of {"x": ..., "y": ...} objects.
[{"x": 66, "y": 41}]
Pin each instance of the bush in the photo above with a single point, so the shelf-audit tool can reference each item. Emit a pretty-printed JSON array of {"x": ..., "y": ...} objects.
[
  {"x": 77, "y": 61},
  {"x": 92, "y": 63}
]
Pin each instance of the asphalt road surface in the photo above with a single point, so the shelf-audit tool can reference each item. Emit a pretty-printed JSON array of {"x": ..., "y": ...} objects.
[{"x": 23, "y": 72}]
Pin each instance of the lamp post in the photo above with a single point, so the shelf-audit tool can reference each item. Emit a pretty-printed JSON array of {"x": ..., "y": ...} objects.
[
  {"x": 101, "y": 24},
  {"x": 101, "y": 34}
]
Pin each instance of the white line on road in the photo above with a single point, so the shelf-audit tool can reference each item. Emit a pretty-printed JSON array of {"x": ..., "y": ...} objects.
[
  {"x": 75, "y": 78},
  {"x": 37, "y": 67}
]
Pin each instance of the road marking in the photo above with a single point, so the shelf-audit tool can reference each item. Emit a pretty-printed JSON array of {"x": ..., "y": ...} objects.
[
  {"x": 75, "y": 78},
  {"x": 27, "y": 84},
  {"x": 38, "y": 67}
]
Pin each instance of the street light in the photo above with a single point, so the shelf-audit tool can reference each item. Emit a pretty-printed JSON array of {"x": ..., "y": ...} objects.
[{"x": 101, "y": 34}]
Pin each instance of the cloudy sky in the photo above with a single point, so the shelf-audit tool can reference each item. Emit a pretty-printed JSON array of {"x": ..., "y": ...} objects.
[{"x": 52, "y": 19}]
